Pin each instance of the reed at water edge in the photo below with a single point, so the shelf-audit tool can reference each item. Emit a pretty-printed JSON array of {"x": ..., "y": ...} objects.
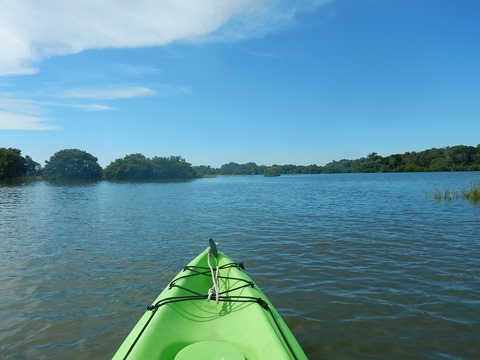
[{"x": 472, "y": 193}]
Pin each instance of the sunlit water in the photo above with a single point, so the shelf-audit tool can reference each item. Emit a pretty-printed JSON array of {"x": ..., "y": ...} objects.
[{"x": 360, "y": 266}]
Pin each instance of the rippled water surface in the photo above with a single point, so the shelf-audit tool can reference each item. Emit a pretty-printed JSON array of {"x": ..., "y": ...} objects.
[{"x": 360, "y": 266}]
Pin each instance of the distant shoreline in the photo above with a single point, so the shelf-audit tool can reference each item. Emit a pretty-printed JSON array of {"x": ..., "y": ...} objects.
[
  {"x": 138, "y": 167},
  {"x": 455, "y": 158}
]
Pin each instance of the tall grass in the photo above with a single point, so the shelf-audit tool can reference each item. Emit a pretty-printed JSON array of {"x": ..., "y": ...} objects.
[{"x": 472, "y": 193}]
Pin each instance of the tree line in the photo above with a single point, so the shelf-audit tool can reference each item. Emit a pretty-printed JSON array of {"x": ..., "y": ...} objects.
[
  {"x": 454, "y": 158},
  {"x": 75, "y": 164}
]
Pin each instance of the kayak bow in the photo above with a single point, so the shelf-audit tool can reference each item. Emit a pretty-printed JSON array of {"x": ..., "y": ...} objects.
[{"x": 211, "y": 310}]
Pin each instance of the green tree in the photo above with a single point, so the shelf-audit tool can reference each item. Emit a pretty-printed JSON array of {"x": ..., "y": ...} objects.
[
  {"x": 394, "y": 162},
  {"x": 72, "y": 164},
  {"x": 372, "y": 163},
  {"x": 229, "y": 169},
  {"x": 233, "y": 168},
  {"x": 274, "y": 170},
  {"x": 32, "y": 168},
  {"x": 131, "y": 167},
  {"x": 138, "y": 167},
  {"x": 461, "y": 156},
  {"x": 205, "y": 170},
  {"x": 173, "y": 167},
  {"x": 12, "y": 164}
]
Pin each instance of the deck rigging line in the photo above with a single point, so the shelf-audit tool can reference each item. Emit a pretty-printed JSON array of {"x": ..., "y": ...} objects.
[{"x": 221, "y": 296}]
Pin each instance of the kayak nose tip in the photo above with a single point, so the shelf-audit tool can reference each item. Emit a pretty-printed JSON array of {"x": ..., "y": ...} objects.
[{"x": 213, "y": 247}]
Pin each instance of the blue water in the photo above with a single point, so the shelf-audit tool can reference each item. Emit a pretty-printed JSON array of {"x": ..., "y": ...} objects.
[{"x": 359, "y": 265}]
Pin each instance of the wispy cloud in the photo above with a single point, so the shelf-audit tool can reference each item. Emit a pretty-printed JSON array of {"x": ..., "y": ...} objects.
[
  {"x": 12, "y": 104},
  {"x": 89, "y": 107},
  {"x": 26, "y": 114},
  {"x": 265, "y": 55},
  {"x": 109, "y": 93},
  {"x": 138, "y": 70},
  {"x": 20, "y": 114},
  {"x": 19, "y": 121},
  {"x": 29, "y": 29},
  {"x": 75, "y": 105}
]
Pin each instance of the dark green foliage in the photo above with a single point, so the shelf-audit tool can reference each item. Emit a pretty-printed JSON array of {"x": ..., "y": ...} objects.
[
  {"x": 233, "y": 168},
  {"x": 72, "y": 164},
  {"x": 205, "y": 171},
  {"x": 173, "y": 167},
  {"x": 272, "y": 171},
  {"x": 455, "y": 158},
  {"x": 32, "y": 168},
  {"x": 137, "y": 167},
  {"x": 131, "y": 167},
  {"x": 13, "y": 165}
]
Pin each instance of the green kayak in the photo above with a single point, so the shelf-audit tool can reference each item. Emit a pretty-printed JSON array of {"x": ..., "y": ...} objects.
[{"x": 211, "y": 310}]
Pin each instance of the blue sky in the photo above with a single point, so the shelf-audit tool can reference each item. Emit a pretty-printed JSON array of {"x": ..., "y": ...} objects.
[{"x": 272, "y": 81}]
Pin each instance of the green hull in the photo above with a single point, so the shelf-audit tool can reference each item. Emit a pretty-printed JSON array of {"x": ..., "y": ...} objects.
[{"x": 182, "y": 323}]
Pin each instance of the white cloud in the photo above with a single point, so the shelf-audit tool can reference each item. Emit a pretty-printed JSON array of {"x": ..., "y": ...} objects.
[
  {"x": 20, "y": 114},
  {"x": 32, "y": 30},
  {"x": 26, "y": 114},
  {"x": 11, "y": 104},
  {"x": 18, "y": 121},
  {"x": 85, "y": 107},
  {"x": 126, "y": 92},
  {"x": 139, "y": 70},
  {"x": 90, "y": 107},
  {"x": 109, "y": 93}
]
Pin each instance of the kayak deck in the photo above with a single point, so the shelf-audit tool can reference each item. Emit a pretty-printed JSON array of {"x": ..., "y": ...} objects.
[{"x": 182, "y": 321}]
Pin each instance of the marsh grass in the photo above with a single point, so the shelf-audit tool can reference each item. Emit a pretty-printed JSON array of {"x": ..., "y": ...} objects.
[{"x": 472, "y": 193}]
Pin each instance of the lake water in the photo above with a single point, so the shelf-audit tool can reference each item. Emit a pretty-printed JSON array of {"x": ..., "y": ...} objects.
[{"x": 360, "y": 265}]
